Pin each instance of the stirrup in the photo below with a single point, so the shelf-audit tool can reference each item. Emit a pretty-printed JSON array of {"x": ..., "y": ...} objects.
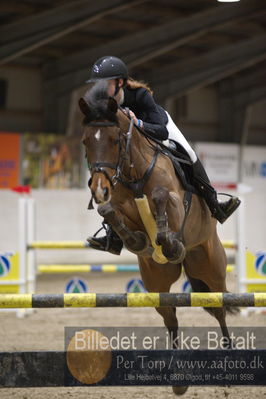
[
  {"x": 99, "y": 242},
  {"x": 104, "y": 227},
  {"x": 109, "y": 242}
]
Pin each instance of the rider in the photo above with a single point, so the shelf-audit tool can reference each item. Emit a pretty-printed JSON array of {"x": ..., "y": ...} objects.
[{"x": 137, "y": 98}]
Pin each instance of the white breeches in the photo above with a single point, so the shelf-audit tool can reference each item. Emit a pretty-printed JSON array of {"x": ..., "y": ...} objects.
[{"x": 175, "y": 134}]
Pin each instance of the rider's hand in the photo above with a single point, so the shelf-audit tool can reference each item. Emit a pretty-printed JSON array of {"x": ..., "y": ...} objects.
[{"x": 131, "y": 114}]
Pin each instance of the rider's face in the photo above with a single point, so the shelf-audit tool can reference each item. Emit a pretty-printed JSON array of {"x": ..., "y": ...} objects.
[{"x": 112, "y": 86}]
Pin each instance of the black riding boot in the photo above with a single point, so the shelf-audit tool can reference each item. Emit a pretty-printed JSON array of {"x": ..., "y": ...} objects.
[
  {"x": 111, "y": 242},
  {"x": 220, "y": 210}
]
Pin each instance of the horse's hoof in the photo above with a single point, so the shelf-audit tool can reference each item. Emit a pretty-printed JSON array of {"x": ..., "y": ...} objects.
[
  {"x": 178, "y": 255},
  {"x": 138, "y": 243},
  {"x": 160, "y": 239},
  {"x": 180, "y": 390}
]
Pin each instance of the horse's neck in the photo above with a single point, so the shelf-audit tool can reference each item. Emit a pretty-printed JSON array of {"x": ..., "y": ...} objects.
[
  {"x": 141, "y": 144},
  {"x": 141, "y": 152}
]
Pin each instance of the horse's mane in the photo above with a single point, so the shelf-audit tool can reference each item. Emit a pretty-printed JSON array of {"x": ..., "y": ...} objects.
[{"x": 97, "y": 99}]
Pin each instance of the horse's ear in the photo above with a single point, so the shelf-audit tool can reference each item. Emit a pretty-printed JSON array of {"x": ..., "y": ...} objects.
[
  {"x": 112, "y": 105},
  {"x": 84, "y": 107}
]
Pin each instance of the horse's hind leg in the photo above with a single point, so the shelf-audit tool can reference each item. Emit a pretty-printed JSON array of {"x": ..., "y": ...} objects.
[
  {"x": 218, "y": 313},
  {"x": 172, "y": 248},
  {"x": 205, "y": 267}
]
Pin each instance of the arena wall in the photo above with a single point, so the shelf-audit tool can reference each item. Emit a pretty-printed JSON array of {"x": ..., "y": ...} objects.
[{"x": 63, "y": 215}]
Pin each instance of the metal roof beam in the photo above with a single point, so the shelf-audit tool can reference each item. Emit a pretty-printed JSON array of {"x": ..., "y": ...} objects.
[
  {"x": 182, "y": 77},
  {"x": 21, "y": 37},
  {"x": 140, "y": 47}
]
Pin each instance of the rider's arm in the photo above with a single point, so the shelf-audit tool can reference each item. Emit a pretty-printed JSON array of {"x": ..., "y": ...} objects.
[{"x": 155, "y": 118}]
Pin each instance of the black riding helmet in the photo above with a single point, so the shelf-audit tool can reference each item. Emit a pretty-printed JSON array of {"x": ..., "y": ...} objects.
[{"x": 108, "y": 67}]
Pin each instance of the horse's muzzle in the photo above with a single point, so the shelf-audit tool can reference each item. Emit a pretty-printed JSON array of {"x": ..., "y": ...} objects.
[{"x": 101, "y": 194}]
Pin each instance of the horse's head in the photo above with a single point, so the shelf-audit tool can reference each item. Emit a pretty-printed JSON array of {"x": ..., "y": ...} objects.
[{"x": 101, "y": 138}]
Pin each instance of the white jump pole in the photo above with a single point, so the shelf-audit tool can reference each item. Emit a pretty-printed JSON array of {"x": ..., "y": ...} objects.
[
  {"x": 241, "y": 247},
  {"x": 31, "y": 236},
  {"x": 22, "y": 226},
  {"x": 22, "y": 203},
  {"x": 21, "y": 281}
]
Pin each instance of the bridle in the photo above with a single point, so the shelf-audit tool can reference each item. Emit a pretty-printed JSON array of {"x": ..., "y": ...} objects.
[
  {"x": 99, "y": 167},
  {"x": 136, "y": 185}
]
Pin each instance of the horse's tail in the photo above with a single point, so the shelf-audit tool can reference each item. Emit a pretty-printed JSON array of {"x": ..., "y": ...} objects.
[{"x": 233, "y": 310}]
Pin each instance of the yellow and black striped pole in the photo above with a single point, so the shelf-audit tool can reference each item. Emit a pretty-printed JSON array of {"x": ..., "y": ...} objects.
[{"x": 196, "y": 299}]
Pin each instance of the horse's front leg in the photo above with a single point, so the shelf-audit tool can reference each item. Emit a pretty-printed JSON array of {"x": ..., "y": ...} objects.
[
  {"x": 172, "y": 247},
  {"x": 135, "y": 241}
]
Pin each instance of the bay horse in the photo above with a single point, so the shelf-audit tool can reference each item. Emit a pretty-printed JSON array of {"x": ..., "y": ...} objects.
[{"x": 126, "y": 164}]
